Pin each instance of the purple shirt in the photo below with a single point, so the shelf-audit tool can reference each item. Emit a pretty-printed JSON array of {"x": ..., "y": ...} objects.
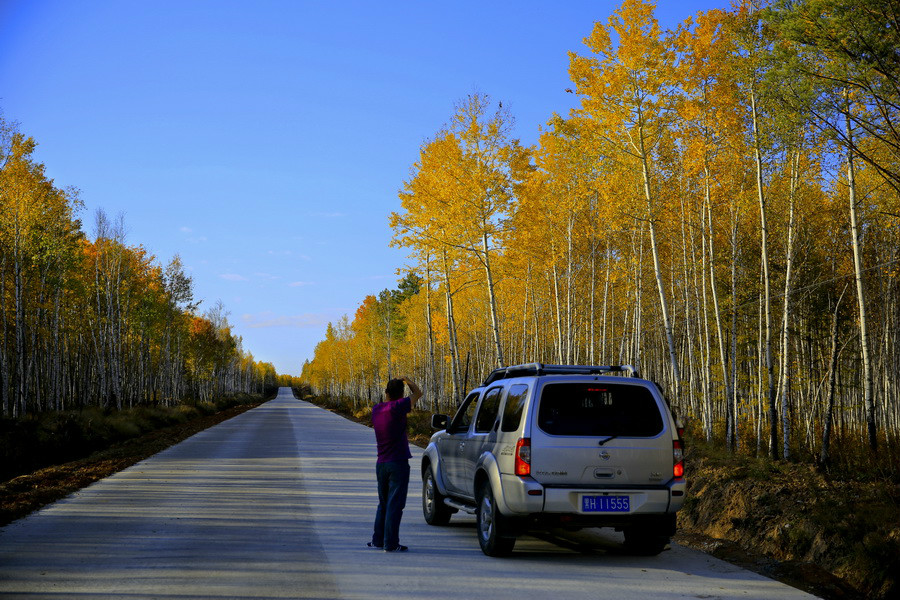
[{"x": 389, "y": 421}]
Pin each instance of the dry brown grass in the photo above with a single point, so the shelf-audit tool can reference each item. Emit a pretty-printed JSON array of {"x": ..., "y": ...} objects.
[{"x": 843, "y": 532}]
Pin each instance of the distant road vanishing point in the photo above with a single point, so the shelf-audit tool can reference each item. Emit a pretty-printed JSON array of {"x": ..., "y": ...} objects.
[{"x": 278, "y": 503}]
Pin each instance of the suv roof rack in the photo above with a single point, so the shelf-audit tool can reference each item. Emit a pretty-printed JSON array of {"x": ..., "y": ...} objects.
[{"x": 542, "y": 369}]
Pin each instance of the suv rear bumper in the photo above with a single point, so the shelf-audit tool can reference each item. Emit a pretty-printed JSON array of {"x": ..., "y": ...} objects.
[
  {"x": 525, "y": 497},
  {"x": 664, "y": 524}
]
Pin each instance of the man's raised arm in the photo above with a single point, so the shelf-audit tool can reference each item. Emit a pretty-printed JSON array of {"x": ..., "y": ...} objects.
[{"x": 415, "y": 392}]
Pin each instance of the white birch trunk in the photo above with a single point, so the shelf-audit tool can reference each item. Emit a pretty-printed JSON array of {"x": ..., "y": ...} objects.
[
  {"x": 860, "y": 294},
  {"x": 767, "y": 294}
]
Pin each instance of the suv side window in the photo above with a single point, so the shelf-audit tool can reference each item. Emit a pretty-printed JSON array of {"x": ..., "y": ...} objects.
[
  {"x": 487, "y": 414},
  {"x": 515, "y": 404},
  {"x": 463, "y": 416}
]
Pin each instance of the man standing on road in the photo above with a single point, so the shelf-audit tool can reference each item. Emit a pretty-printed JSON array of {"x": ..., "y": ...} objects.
[{"x": 392, "y": 466}]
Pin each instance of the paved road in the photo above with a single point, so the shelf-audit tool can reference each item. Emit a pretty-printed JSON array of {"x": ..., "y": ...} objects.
[{"x": 278, "y": 503}]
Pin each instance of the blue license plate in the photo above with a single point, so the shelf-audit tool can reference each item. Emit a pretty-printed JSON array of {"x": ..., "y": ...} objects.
[{"x": 605, "y": 504}]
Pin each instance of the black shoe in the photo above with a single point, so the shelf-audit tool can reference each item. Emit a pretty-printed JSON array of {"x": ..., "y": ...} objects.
[
  {"x": 397, "y": 548},
  {"x": 371, "y": 545}
]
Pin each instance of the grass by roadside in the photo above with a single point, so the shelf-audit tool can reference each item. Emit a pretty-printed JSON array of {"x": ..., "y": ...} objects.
[
  {"x": 840, "y": 533},
  {"x": 836, "y": 539},
  {"x": 27, "y": 492}
]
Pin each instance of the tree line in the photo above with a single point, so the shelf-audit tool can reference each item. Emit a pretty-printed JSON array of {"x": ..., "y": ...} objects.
[
  {"x": 97, "y": 321},
  {"x": 721, "y": 211}
]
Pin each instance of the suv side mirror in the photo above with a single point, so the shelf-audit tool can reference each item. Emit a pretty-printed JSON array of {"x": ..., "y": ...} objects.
[{"x": 439, "y": 421}]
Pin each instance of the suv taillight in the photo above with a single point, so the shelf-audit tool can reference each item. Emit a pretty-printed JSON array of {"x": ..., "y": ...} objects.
[
  {"x": 523, "y": 457},
  {"x": 678, "y": 459}
]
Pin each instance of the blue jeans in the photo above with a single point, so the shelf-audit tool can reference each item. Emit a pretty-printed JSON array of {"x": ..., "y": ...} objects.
[{"x": 393, "y": 483}]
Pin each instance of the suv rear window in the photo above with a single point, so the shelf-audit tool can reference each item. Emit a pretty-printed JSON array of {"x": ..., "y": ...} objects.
[{"x": 599, "y": 409}]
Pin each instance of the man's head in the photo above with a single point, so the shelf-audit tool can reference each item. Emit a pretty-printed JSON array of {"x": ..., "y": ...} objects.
[{"x": 394, "y": 389}]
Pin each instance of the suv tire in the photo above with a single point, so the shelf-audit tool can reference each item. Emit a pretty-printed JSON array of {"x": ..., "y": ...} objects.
[
  {"x": 433, "y": 507},
  {"x": 494, "y": 531}
]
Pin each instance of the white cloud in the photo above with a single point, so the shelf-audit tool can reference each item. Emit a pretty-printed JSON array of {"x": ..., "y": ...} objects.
[
  {"x": 268, "y": 319},
  {"x": 186, "y": 230},
  {"x": 329, "y": 215},
  {"x": 233, "y": 277},
  {"x": 301, "y": 283}
]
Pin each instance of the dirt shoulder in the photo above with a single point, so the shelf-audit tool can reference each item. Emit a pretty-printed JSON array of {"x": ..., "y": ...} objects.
[{"x": 833, "y": 538}]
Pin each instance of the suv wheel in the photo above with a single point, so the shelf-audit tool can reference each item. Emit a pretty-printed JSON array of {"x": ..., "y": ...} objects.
[
  {"x": 644, "y": 542},
  {"x": 494, "y": 533},
  {"x": 433, "y": 507}
]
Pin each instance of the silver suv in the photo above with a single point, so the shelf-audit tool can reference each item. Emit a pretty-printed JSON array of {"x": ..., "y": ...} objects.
[{"x": 545, "y": 446}]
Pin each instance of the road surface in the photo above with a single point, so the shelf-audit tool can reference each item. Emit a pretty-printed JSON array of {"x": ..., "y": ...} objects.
[{"x": 278, "y": 503}]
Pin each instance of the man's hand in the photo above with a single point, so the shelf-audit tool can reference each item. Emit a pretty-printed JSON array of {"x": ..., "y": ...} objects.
[{"x": 416, "y": 393}]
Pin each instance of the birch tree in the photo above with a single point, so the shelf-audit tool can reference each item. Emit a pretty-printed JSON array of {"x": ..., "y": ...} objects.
[{"x": 628, "y": 92}]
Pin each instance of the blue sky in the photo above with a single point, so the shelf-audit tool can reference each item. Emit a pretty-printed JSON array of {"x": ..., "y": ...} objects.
[{"x": 265, "y": 141}]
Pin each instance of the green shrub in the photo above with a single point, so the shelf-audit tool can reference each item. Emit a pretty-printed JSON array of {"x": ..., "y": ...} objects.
[
  {"x": 123, "y": 427},
  {"x": 183, "y": 413}
]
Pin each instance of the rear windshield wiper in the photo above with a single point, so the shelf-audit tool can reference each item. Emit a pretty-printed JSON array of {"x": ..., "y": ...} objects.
[{"x": 612, "y": 437}]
